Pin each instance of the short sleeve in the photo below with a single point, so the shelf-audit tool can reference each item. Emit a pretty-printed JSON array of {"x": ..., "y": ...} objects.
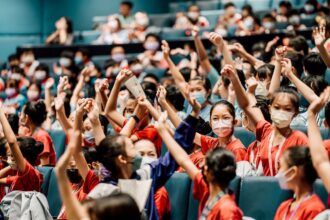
[
  {"x": 90, "y": 182},
  {"x": 46, "y": 142},
  {"x": 208, "y": 143},
  {"x": 263, "y": 129},
  {"x": 200, "y": 187}
]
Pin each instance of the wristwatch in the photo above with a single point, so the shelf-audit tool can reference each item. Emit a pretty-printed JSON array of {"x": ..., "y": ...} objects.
[{"x": 136, "y": 118}]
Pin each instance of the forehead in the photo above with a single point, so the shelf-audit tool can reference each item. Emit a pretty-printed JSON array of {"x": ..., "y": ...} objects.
[
  {"x": 117, "y": 50},
  {"x": 145, "y": 146},
  {"x": 196, "y": 83},
  {"x": 131, "y": 103},
  {"x": 283, "y": 99},
  {"x": 87, "y": 122},
  {"x": 220, "y": 109}
]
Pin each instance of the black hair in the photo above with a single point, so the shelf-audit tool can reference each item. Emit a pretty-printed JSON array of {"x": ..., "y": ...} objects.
[
  {"x": 154, "y": 36},
  {"x": 90, "y": 154},
  {"x": 85, "y": 52},
  {"x": 317, "y": 83},
  {"x": 114, "y": 206},
  {"x": 300, "y": 156},
  {"x": 43, "y": 67},
  {"x": 151, "y": 75},
  {"x": 206, "y": 82},
  {"x": 294, "y": 98},
  {"x": 327, "y": 113},
  {"x": 3, "y": 142},
  {"x": 17, "y": 69},
  {"x": 296, "y": 61},
  {"x": 174, "y": 96},
  {"x": 229, "y": 4},
  {"x": 248, "y": 8},
  {"x": 13, "y": 57},
  {"x": 186, "y": 72},
  {"x": 221, "y": 164},
  {"x": 30, "y": 148},
  {"x": 265, "y": 71},
  {"x": 108, "y": 63},
  {"x": 194, "y": 5},
  {"x": 299, "y": 44},
  {"x": 262, "y": 104},
  {"x": 67, "y": 54},
  {"x": 13, "y": 120},
  {"x": 229, "y": 106},
  {"x": 104, "y": 122},
  {"x": 286, "y": 4},
  {"x": 314, "y": 65},
  {"x": 69, "y": 24},
  {"x": 128, "y": 3},
  {"x": 36, "y": 111},
  {"x": 293, "y": 12},
  {"x": 150, "y": 89},
  {"x": 241, "y": 76},
  {"x": 270, "y": 16},
  {"x": 108, "y": 150},
  {"x": 226, "y": 82}
]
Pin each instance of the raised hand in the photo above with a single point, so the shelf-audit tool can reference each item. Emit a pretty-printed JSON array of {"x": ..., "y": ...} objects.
[
  {"x": 280, "y": 52},
  {"x": 252, "y": 84},
  {"x": 92, "y": 110},
  {"x": 286, "y": 67},
  {"x": 161, "y": 95},
  {"x": 49, "y": 83},
  {"x": 195, "y": 31},
  {"x": 319, "y": 103},
  {"x": 62, "y": 85},
  {"x": 101, "y": 85},
  {"x": 228, "y": 71},
  {"x": 319, "y": 35},
  {"x": 271, "y": 43},
  {"x": 81, "y": 105},
  {"x": 161, "y": 122},
  {"x": 59, "y": 100},
  {"x": 166, "y": 49},
  {"x": 216, "y": 39},
  {"x": 236, "y": 48},
  {"x": 124, "y": 75}
]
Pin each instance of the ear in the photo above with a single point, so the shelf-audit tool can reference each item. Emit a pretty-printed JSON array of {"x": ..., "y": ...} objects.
[
  {"x": 121, "y": 159},
  {"x": 95, "y": 165},
  {"x": 293, "y": 173},
  {"x": 325, "y": 123}
]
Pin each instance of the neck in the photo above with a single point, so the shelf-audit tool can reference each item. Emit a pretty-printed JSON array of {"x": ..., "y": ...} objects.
[
  {"x": 223, "y": 141},
  {"x": 301, "y": 190},
  {"x": 124, "y": 173},
  {"x": 32, "y": 127},
  {"x": 214, "y": 189},
  {"x": 283, "y": 131}
]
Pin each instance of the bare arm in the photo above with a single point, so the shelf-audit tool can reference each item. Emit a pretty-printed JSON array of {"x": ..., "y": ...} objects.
[
  {"x": 239, "y": 49},
  {"x": 93, "y": 116},
  {"x": 218, "y": 41},
  {"x": 52, "y": 37},
  {"x": 276, "y": 78},
  {"x": 319, "y": 38},
  {"x": 318, "y": 152},
  {"x": 202, "y": 54},
  {"x": 81, "y": 82}
]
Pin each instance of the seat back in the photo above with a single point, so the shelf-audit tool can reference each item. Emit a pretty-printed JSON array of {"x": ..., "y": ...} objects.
[
  {"x": 46, "y": 172},
  {"x": 260, "y": 197},
  {"x": 53, "y": 196},
  {"x": 320, "y": 190},
  {"x": 244, "y": 136},
  {"x": 59, "y": 139},
  {"x": 178, "y": 188}
]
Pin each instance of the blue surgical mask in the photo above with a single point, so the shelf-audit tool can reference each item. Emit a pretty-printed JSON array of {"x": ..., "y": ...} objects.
[
  {"x": 66, "y": 62},
  {"x": 200, "y": 97},
  {"x": 89, "y": 136},
  {"x": 147, "y": 160},
  {"x": 78, "y": 60},
  {"x": 136, "y": 162}
]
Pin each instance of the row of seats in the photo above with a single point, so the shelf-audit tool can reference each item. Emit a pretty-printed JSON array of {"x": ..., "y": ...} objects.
[{"x": 267, "y": 195}]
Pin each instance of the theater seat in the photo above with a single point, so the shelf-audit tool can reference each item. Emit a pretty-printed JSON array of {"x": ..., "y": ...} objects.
[
  {"x": 59, "y": 139},
  {"x": 53, "y": 196},
  {"x": 259, "y": 4},
  {"x": 327, "y": 75},
  {"x": 193, "y": 203},
  {"x": 244, "y": 136},
  {"x": 46, "y": 172},
  {"x": 172, "y": 34},
  {"x": 260, "y": 197},
  {"x": 178, "y": 188},
  {"x": 320, "y": 190},
  {"x": 159, "y": 73}
]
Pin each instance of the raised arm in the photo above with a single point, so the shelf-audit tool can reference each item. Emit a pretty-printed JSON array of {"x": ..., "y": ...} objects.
[
  {"x": 175, "y": 149},
  {"x": 12, "y": 141},
  {"x": 48, "y": 102},
  {"x": 93, "y": 113},
  {"x": 101, "y": 86},
  {"x": 81, "y": 82},
  {"x": 319, "y": 39},
  {"x": 201, "y": 52},
  {"x": 218, "y": 41},
  {"x": 59, "y": 105},
  {"x": 318, "y": 152},
  {"x": 239, "y": 49},
  {"x": 73, "y": 207},
  {"x": 276, "y": 78},
  {"x": 111, "y": 106},
  {"x": 52, "y": 37},
  {"x": 303, "y": 89}
]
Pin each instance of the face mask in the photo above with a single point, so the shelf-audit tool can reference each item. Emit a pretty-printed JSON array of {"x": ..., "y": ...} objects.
[
  {"x": 294, "y": 20},
  {"x": 89, "y": 137},
  {"x": 12, "y": 163},
  {"x": 78, "y": 60},
  {"x": 66, "y": 62},
  {"x": 282, "y": 180},
  {"x": 200, "y": 97},
  {"x": 74, "y": 176},
  {"x": 32, "y": 95},
  {"x": 261, "y": 89},
  {"x": 10, "y": 92},
  {"x": 15, "y": 76},
  {"x": 153, "y": 46},
  {"x": 40, "y": 75},
  {"x": 113, "y": 24},
  {"x": 280, "y": 118},
  {"x": 248, "y": 23},
  {"x": 118, "y": 57},
  {"x": 136, "y": 162},
  {"x": 59, "y": 71},
  {"x": 137, "y": 68},
  {"x": 269, "y": 25},
  {"x": 27, "y": 59},
  {"x": 193, "y": 15},
  {"x": 144, "y": 22},
  {"x": 147, "y": 160},
  {"x": 222, "y": 128},
  {"x": 309, "y": 8}
]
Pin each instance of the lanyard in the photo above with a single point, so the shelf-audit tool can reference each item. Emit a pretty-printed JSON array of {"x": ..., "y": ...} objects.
[
  {"x": 210, "y": 205},
  {"x": 296, "y": 208},
  {"x": 253, "y": 159},
  {"x": 270, "y": 160}
]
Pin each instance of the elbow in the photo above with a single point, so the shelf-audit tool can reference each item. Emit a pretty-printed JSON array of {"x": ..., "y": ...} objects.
[{"x": 319, "y": 160}]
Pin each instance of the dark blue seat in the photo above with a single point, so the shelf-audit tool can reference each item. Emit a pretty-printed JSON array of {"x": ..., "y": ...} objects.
[
  {"x": 320, "y": 190},
  {"x": 53, "y": 195},
  {"x": 59, "y": 139},
  {"x": 244, "y": 136},
  {"x": 46, "y": 172}
]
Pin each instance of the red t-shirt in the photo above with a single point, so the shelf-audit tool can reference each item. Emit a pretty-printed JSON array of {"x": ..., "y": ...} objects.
[
  {"x": 82, "y": 191},
  {"x": 225, "y": 208},
  {"x": 29, "y": 180},
  {"x": 253, "y": 153},
  {"x": 197, "y": 157},
  {"x": 326, "y": 144},
  {"x": 42, "y": 136},
  {"x": 307, "y": 210},
  {"x": 162, "y": 201},
  {"x": 264, "y": 131},
  {"x": 235, "y": 146}
]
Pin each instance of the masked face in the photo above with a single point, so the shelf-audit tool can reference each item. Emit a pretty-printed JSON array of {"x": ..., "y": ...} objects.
[
  {"x": 40, "y": 75},
  {"x": 269, "y": 25},
  {"x": 65, "y": 62},
  {"x": 136, "y": 162},
  {"x": 261, "y": 89},
  {"x": 151, "y": 45},
  {"x": 74, "y": 176},
  {"x": 32, "y": 95},
  {"x": 193, "y": 15},
  {"x": 78, "y": 60},
  {"x": 118, "y": 57},
  {"x": 137, "y": 68},
  {"x": 16, "y": 76},
  {"x": 283, "y": 179},
  {"x": 147, "y": 160},
  {"x": 281, "y": 118},
  {"x": 222, "y": 128},
  {"x": 294, "y": 20},
  {"x": 309, "y": 8},
  {"x": 200, "y": 97},
  {"x": 27, "y": 59},
  {"x": 10, "y": 92},
  {"x": 89, "y": 138}
]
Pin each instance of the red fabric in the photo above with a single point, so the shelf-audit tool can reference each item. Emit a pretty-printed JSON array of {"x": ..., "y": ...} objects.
[
  {"x": 326, "y": 144},
  {"x": 307, "y": 210},
  {"x": 197, "y": 157},
  {"x": 42, "y": 136},
  {"x": 82, "y": 191},
  {"x": 253, "y": 149},
  {"x": 29, "y": 180},
  {"x": 162, "y": 201},
  {"x": 263, "y": 132},
  {"x": 235, "y": 146},
  {"x": 225, "y": 208}
]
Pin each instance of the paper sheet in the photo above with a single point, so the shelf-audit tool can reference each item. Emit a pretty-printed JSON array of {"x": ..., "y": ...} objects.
[{"x": 133, "y": 85}]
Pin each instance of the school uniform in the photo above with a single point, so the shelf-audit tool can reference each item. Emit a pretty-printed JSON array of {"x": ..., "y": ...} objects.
[
  {"x": 326, "y": 144},
  {"x": 42, "y": 136},
  {"x": 162, "y": 201}
]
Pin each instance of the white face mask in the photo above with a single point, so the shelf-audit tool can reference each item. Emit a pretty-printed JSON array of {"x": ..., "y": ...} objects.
[
  {"x": 151, "y": 45},
  {"x": 144, "y": 22},
  {"x": 137, "y": 68},
  {"x": 222, "y": 128},
  {"x": 66, "y": 62},
  {"x": 281, "y": 118},
  {"x": 282, "y": 180},
  {"x": 16, "y": 76},
  {"x": 27, "y": 59},
  {"x": 261, "y": 89},
  {"x": 40, "y": 75},
  {"x": 147, "y": 160},
  {"x": 193, "y": 15},
  {"x": 32, "y": 95}
]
